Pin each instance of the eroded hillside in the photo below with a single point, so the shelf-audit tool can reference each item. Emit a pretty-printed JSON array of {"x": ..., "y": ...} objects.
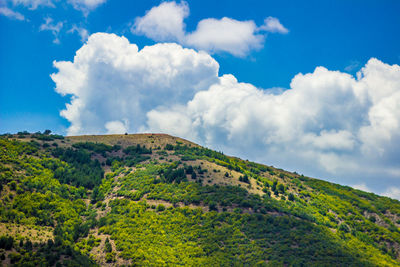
[{"x": 153, "y": 199}]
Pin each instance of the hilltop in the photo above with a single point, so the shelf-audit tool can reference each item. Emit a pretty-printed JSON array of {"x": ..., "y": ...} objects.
[{"x": 155, "y": 199}]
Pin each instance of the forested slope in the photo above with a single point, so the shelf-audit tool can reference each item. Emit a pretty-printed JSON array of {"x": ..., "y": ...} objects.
[{"x": 153, "y": 199}]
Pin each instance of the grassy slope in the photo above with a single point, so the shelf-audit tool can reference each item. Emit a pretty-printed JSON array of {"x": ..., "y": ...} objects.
[{"x": 157, "y": 212}]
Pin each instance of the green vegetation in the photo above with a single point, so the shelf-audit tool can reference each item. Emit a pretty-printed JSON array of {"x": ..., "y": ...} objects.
[{"x": 74, "y": 203}]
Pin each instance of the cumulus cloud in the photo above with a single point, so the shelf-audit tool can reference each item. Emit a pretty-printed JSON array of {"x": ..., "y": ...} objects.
[
  {"x": 54, "y": 28},
  {"x": 163, "y": 22},
  {"x": 272, "y": 24},
  {"x": 111, "y": 80},
  {"x": 166, "y": 23},
  {"x": 227, "y": 35},
  {"x": 328, "y": 123},
  {"x": 5, "y": 11}
]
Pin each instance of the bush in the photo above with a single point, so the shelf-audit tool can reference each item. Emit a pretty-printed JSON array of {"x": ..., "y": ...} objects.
[
  {"x": 107, "y": 246},
  {"x": 212, "y": 206},
  {"x": 281, "y": 188},
  {"x": 169, "y": 147},
  {"x": 344, "y": 227},
  {"x": 12, "y": 185},
  {"x": 160, "y": 207},
  {"x": 244, "y": 179},
  {"x": 110, "y": 257}
]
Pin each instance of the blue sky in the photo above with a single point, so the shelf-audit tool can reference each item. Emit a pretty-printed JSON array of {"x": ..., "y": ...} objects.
[{"x": 339, "y": 36}]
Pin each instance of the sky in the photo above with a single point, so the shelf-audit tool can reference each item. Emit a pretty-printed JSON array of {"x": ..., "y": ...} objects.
[{"x": 307, "y": 86}]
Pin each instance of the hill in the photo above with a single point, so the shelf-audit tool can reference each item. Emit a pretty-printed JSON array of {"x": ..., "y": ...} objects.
[{"x": 153, "y": 199}]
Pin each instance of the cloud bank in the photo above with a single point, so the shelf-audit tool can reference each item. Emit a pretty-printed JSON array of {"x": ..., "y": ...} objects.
[
  {"x": 166, "y": 23},
  {"x": 328, "y": 123}
]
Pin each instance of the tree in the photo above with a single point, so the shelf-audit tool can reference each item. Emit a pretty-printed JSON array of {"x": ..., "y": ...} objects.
[
  {"x": 189, "y": 169},
  {"x": 273, "y": 188},
  {"x": 160, "y": 207},
  {"x": 212, "y": 206},
  {"x": 281, "y": 188},
  {"x": 169, "y": 147},
  {"x": 107, "y": 246}
]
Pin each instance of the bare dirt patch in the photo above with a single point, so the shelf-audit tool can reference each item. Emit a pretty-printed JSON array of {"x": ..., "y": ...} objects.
[{"x": 216, "y": 174}]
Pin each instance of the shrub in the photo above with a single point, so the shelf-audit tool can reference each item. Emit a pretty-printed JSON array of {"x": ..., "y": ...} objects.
[
  {"x": 244, "y": 179},
  {"x": 281, "y": 188},
  {"x": 107, "y": 246},
  {"x": 12, "y": 185},
  {"x": 372, "y": 218},
  {"x": 169, "y": 147},
  {"x": 160, "y": 207},
  {"x": 212, "y": 206}
]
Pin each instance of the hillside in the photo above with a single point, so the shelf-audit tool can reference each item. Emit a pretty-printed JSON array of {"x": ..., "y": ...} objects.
[{"x": 155, "y": 200}]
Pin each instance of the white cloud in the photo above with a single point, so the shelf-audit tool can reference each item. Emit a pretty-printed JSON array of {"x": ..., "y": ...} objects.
[
  {"x": 5, "y": 11},
  {"x": 110, "y": 79},
  {"x": 82, "y": 5},
  {"x": 166, "y": 23},
  {"x": 86, "y": 5},
  {"x": 272, "y": 24},
  {"x": 82, "y": 32},
  {"x": 116, "y": 127},
  {"x": 362, "y": 187},
  {"x": 328, "y": 123},
  {"x": 226, "y": 35},
  {"x": 380, "y": 84},
  {"x": 163, "y": 22},
  {"x": 54, "y": 28},
  {"x": 392, "y": 192},
  {"x": 33, "y": 4}
]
